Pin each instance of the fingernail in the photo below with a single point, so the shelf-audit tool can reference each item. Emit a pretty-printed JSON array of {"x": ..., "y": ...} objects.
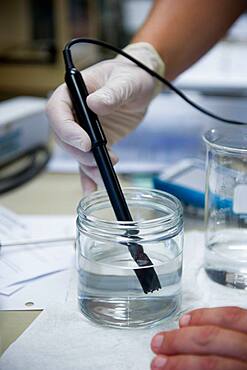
[
  {"x": 185, "y": 320},
  {"x": 157, "y": 341},
  {"x": 159, "y": 362}
]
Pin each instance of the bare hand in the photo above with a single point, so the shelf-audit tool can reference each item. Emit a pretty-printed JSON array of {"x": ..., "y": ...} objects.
[{"x": 208, "y": 338}]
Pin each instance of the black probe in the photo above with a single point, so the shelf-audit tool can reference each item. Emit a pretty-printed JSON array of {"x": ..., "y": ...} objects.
[{"x": 89, "y": 121}]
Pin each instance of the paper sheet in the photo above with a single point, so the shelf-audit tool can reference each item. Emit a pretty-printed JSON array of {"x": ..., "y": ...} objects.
[
  {"x": 22, "y": 263},
  {"x": 27, "y": 271}
]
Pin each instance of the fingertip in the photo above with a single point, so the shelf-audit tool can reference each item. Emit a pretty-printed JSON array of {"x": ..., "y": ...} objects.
[
  {"x": 159, "y": 363},
  {"x": 94, "y": 103},
  {"x": 86, "y": 144},
  {"x": 76, "y": 137},
  {"x": 185, "y": 320},
  {"x": 157, "y": 342},
  {"x": 88, "y": 185},
  {"x": 101, "y": 103}
]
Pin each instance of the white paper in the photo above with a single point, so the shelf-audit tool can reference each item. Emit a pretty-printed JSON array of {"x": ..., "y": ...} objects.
[
  {"x": 43, "y": 290},
  {"x": 20, "y": 264},
  {"x": 11, "y": 226},
  {"x": 28, "y": 272},
  {"x": 8, "y": 291},
  {"x": 23, "y": 263},
  {"x": 38, "y": 294}
]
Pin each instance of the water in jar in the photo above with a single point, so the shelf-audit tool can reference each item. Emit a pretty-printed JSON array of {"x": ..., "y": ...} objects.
[{"x": 107, "y": 272}]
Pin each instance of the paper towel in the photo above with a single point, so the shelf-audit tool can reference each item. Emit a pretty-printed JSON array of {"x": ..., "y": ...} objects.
[{"x": 62, "y": 338}]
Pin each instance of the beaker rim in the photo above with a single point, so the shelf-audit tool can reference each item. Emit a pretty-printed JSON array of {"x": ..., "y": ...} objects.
[{"x": 228, "y": 139}]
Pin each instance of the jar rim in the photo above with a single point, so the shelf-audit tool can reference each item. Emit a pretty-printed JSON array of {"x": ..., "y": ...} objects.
[{"x": 86, "y": 201}]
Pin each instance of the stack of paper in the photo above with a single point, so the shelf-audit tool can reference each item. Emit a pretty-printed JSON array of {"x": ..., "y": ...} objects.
[{"x": 25, "y": 266}]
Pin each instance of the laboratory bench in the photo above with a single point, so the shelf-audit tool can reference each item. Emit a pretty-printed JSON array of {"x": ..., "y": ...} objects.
[{"x": 49, "y": 194}]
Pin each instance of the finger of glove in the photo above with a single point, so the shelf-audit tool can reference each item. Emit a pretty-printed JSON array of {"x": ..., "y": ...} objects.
[
  {"x": 88, "y": 185},
  {"x": 120, "y": 88},
  {"x": 86, "y": 159},
  {"x": 59, "y": 111},
  {"x": 120, "y": 123},
  {"x": 82, "y": 157},
  {"x": 96, "y": 76},
  {"x": 92, "y": 173}
]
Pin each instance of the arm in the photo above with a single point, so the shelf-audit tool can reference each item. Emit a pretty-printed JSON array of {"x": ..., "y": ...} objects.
[
  {"x": 120, "y": 92},
  {"x": 183, "y": 30}
]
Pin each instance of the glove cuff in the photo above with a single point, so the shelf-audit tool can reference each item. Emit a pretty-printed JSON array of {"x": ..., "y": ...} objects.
[{"x": 147, "y": 54}]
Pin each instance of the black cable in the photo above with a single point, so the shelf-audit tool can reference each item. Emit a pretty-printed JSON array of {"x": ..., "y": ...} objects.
[
  {"x": 33, "y": 167},
  {"x": 148, "y": 70},
  {"x": 88, "y": 120}
]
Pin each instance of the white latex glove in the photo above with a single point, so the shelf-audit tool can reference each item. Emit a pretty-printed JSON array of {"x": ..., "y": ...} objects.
[{"x": 119, "y": 93}]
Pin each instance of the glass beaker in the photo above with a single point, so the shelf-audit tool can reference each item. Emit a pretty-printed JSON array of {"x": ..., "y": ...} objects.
[
  {"x": 109, "y": 292},
  {"x": 226, "y": 206}
]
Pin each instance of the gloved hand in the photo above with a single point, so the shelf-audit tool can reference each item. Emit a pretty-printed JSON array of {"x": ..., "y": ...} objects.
[{"x": 119, "y": 93}]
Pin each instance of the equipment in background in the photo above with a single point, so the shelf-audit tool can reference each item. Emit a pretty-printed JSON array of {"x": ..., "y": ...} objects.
[
  {"x": 186, "y": 180},
  {"x": 24, "y": 135}
]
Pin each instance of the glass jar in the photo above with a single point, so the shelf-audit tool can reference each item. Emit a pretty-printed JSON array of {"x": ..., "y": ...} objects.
[
  {"x": 226, "y": 206},
  {"x": 109, "y": 292}
]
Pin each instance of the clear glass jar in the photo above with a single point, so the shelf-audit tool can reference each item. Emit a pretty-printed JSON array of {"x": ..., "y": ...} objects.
[
  {"x": 109, "y": 292},
  {"x": 226, "y": 206}
]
